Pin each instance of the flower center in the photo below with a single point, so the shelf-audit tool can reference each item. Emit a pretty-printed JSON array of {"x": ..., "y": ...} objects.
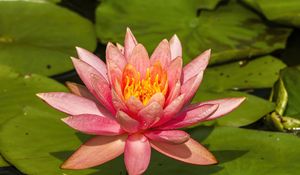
[{"x": 144, "y": 87}]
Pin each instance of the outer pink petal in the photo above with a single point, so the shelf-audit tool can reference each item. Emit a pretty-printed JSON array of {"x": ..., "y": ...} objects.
[
  {"x": 96, "y": 151},
  {"x": 137, "y": 154},
  {"x": 134, "y": 105},
  {"x": 226, "y": 105},
  {"x": 103, "y": 92},
  {"x": 129, "y": 43},
  {"x": 114, "y": 54},
  {"x": 174, "y": 72},
  {"x": 95, "y": 83},
  {"x": 94, "y": 124},
  {"x": 127, "y": 123},
  {"x": 171, "y": 136},
  {"x": 175, "y": 46},
  {"x": 174, "y": 93},
  {"x": 191, "y": 116},
  {"x": 72, "y": 104},
  {"x": 190, "y": 152},
  {"x": 162, "y": 53},
  {"x": 171, "y": 110},
  {"x": 139, "y": 59},
  {"x": 191, "y": 86},
  {"x": 93, "y": 61},
  {"x": 196, "y": 66},
  {"x": 80, "y": 90},
  {"x": 121, "y": 48},
  {"x": 150, "y": 114},
  {"x": 157, "y": 97}
]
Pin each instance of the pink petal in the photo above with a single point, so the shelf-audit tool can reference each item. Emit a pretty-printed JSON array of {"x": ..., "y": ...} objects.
[
  {"x": 114, "y": 54},
  {"x": 129, "y": 43},
  {"x": 92, "y": 79},
  {"x": 121, "y": 48},
  {"x": 117, "y": 102},
  {"x": 191, "y": 116},
  {"x": 162, "y": 54},
  {"x": 94, "y": 124},
  {"x": 80, "y": 90},
  {"x": 196, "y": 66},
  {"x": 157, "y": 97},
  {"x": 103, "y": 92},
  {"x": 96, "y": 151},
  {"x": 134, "y": 105},
  {"x": 174, "y": 93},
  {"x": 137, "y": 154},
  {"x": 190, "y": 152},
  {"x": 191, "y": 86},
  {"x": 114, "y": 72},
  {"x": 93, "y": 61},
  {"x": 175, "y": 46},
  {"x": 72, "y": 104},
  {"x": 174, "y": 71},
  {"x": 171, "y": 136},
  {"x": 139, "y": 59},
  {"x": 226, "y": 105},
  {"x": 150, "y": 114},
  {"x": 128, "y": 124},
  {"x": 171, "y": 110}
]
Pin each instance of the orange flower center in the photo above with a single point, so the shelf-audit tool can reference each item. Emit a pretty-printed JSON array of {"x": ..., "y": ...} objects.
[{"x": 144, "y": 87}]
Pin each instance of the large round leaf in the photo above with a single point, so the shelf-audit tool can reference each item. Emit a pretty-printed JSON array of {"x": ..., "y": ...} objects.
[
  {"x": 231, "y": 31},
  {"x": 244, "y": 114},
  {"x": 259, "y": 73},
  {"x": 3, "y": 163},
  {"x": 236, "y": 149},
  {"x": 18, "y": 91},
  {"x": 207, "y": 4},
  {"x": 39, "y": 36},
  {"x": 284, "y": 12},
  {"x": 240, "y": 152},
  {"x": 18, "y": 101}
]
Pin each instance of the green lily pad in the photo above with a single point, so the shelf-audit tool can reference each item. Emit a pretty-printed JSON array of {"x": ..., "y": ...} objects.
[
  {"x": 239, "y": 151},
  {"x": 3, "y": 163},
  {"x": 18, "y": 100},
  {"x": 236, "y": 149},
  {"x": 291, "y": 80},
  {"x": 259, "y": 73},
  {"x": 207, "y": 4},
  {"x": 44, "y": 43},
  {"x": 18, "y": 91},
  {"x": 244, "y": 114},
  {"x": 223, "y": 30},
  {"x": 284, "y": 12}
]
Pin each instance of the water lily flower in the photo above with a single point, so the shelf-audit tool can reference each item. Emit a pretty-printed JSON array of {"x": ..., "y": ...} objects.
[{"x": 134, "y": 103}]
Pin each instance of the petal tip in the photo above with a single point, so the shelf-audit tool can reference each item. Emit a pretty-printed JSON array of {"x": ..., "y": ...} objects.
[{"x": 40, "y": 95}]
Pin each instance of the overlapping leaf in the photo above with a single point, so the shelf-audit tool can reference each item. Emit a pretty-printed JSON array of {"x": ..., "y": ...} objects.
[
  {"x": 231, "y": 31},
  {"x": 259, "y": 73},
  {"x": 39, "y": 36},
  {"x": 291, "y": 80},
  {"x": 285, "y": 12}
]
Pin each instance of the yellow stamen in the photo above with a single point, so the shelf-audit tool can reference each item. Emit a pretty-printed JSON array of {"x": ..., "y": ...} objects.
[{"x": 143, "y": 89}]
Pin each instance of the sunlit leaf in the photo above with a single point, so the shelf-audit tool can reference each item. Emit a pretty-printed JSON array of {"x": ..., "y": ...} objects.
[
  {"x": 231, "y": 31},
  {"x": 284, "y": 12},
  {"x": 39, "y": 36},
  {"x": 259, "y": 73}
]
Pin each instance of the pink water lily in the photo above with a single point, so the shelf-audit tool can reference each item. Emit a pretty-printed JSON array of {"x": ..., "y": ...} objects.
[{"x": 134, "y": 103}]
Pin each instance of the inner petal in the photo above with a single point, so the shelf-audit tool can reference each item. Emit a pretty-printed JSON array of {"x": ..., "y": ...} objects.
[{"x": 143, "y": 88}]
